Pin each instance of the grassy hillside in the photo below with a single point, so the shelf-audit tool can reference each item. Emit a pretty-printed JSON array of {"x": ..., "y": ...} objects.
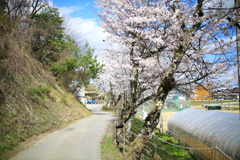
[{"x": 32, "y": 103}]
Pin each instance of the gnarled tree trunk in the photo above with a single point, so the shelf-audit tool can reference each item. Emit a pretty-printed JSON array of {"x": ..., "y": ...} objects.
[
  {"x": 125, "y": 115},
  {"x": 151, "y": 121}
]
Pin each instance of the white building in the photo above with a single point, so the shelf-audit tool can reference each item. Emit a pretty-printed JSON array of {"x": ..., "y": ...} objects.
[{"x": 78, "y": 89}]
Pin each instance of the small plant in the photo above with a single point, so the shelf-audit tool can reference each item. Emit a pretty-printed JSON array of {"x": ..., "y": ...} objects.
[
  {"x": 63, "y": 98},
  {"x": 109, "y": 150},
  {"x": 40, "y": 91}
]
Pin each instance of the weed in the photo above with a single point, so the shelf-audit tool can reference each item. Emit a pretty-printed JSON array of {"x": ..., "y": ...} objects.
[
  {"x": 63, "y": 98},
  {"x": 37, "y": 94},
  {"x": 40, "y": 91},
  {"x": 108, "y": 148}
]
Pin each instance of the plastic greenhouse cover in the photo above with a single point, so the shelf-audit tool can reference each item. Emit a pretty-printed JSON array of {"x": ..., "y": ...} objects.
[{"x": 212, "y": 128}]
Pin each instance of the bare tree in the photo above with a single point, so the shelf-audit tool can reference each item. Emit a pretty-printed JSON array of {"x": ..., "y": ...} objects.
[{"x": 24, "y": 9}]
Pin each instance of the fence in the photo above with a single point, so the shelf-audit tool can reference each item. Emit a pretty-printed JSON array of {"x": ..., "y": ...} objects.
[{"x": 194, "y": 146}]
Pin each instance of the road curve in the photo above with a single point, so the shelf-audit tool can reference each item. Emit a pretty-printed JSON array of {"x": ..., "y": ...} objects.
[{"x": 80, "y": 141}]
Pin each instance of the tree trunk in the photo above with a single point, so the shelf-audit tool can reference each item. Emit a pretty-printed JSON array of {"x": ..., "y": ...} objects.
[
  {"x": 140, "y": 142},
  {"x": 130, "y": 103},
  {"x": 125, "y": 115},
  {"x": 136, "y": 147},
  {"x": 151, "y": 121}
]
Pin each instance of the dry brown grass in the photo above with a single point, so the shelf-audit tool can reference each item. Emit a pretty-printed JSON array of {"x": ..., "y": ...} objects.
[{"x": 108, "y": 108}]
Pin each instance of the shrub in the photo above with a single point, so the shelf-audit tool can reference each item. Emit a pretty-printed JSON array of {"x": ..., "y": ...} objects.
[
  {"x": 108, "y": 108},
  {"x": 41, "y": 90}
]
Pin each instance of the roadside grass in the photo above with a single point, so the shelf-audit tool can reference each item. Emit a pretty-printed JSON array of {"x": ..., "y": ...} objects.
[
  {"x": 108, "y": 148},
  {"x": 155, "y": 149},
  {"x": 108, "y": 108},
  {"x": 118, "y": 107}
]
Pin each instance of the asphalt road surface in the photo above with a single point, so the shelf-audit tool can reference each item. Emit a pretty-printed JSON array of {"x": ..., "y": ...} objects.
[{"x": 80, "y": 141}]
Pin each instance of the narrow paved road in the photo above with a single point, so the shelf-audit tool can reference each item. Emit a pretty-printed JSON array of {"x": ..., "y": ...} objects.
[{"x": 80, "y": 141}]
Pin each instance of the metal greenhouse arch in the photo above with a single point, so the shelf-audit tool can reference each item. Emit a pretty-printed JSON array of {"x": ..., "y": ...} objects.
[{"x": 217, "y": 131}]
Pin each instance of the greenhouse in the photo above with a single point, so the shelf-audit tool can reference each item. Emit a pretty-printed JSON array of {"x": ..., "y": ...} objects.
[{"x": 209, "y": 134}]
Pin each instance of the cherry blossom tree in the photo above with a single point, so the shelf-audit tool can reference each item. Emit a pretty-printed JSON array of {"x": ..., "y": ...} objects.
[
  {"x": 170, "y": 45},
  {"x": 115, "y": 75},
  {"x": 128, "y": 78}
]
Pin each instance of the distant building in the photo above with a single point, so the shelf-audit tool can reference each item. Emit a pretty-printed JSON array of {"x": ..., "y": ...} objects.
[
  {"x": 226, "y": 93},
  {"x": 92, "y": 92},
  {"x": 201, "y": 94},
  {"x": 81, "y": 95},
  {"x": 176, "y": 95},
  {"x": 176, "y": 101},
  {"x": 77, "y": 88},
  {"x": 216, "y": 94}
]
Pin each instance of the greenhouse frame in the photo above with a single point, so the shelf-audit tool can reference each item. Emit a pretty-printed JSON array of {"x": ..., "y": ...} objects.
[{"x": 209, "y": 134}]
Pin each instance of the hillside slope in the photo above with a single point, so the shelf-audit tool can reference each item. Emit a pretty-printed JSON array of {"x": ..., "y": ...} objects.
[{"x": 32, "y": 103}]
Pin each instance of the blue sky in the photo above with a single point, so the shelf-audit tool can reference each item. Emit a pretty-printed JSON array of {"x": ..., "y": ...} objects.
[
  {"x": 85, "y": 23},
  {"x": 81, "y": 8},
  {"x": 82, "y": 20}
]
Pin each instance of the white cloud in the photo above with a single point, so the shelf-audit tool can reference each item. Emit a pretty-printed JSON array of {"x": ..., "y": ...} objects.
[
  {"x": 88, "y": 4},
  {"x": 87, "y": 29},
  {"x": 69, "y": 10}
]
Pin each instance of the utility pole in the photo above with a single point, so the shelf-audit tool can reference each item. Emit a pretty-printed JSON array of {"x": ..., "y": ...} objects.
[{"x": 237, "y": 10}]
